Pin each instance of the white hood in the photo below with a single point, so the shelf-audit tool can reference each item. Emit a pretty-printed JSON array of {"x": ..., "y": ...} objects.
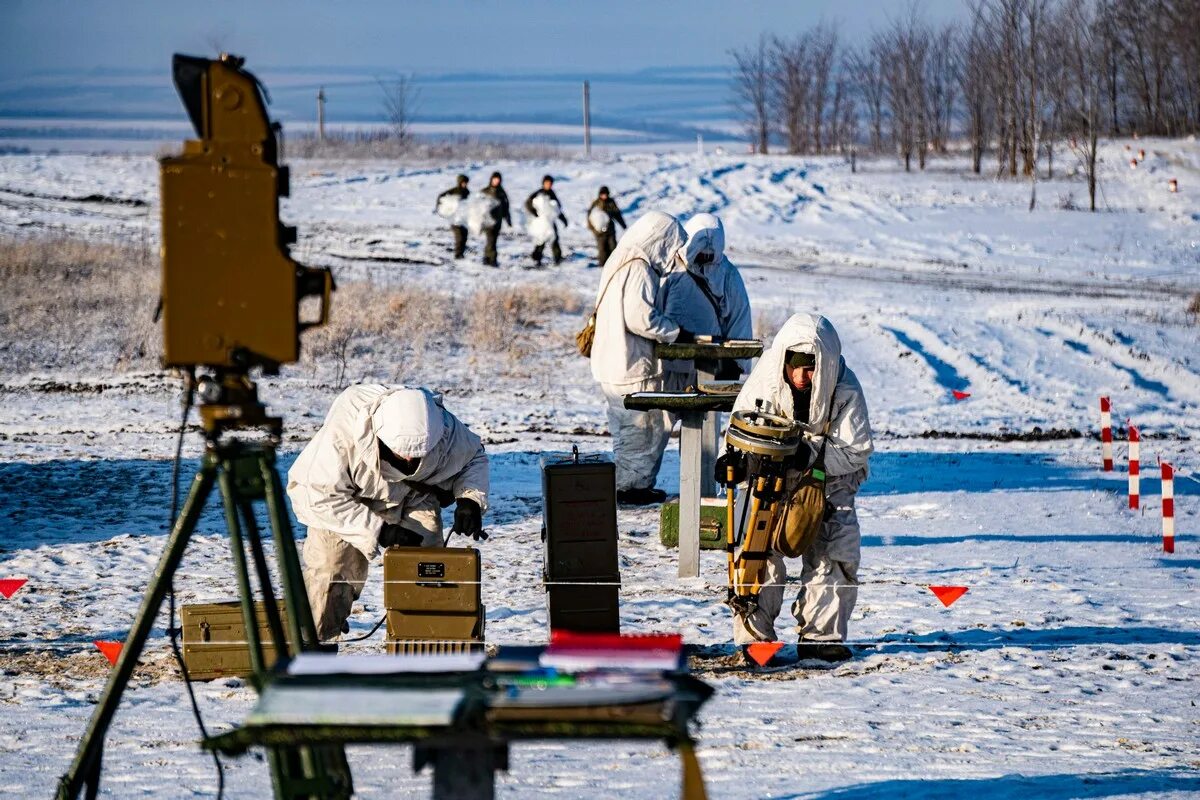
[
  {"x": 409, "y": 422},
  {"x": 805, "y": 333},
  {"x": 656, "y": 238},
  {"x": 706, "y": 234}
]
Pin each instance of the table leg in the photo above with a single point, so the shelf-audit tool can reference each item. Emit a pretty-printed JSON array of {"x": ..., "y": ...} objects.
[
  {"x": 708, "y": 442},
  {"x": 690, "y": 448}
]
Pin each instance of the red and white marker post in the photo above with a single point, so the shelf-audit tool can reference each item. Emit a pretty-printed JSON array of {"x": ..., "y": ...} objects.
[
  {"x": 1168, "y": 506},
  {"x": 1135, "y": 467},
  {"x": 1106, "y": 434}
]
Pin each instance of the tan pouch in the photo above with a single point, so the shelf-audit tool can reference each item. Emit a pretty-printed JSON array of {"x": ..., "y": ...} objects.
[
  {"x": 799, "y": 522},
  {"x": 585, "y": 337}
]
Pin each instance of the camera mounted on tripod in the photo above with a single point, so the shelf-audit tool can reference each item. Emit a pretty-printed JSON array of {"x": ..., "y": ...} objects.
[{"x": 231, "y": 291}]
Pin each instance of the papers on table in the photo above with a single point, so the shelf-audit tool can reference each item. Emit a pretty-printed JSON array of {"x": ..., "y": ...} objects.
[
  {"x": 366, "y": 664},
  {"x": 355, "y": 705}
]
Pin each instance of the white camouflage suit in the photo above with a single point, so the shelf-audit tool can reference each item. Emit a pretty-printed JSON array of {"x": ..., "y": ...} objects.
[
  {"x": 629, "y": 320},
  {"x": 829, "y": 573},
  {"x": 687, "y": 304},
  {"x": 345, "y": 493}
]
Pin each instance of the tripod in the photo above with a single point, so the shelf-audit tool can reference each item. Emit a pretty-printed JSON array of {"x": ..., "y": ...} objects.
[{"x": 244, "y": 472}]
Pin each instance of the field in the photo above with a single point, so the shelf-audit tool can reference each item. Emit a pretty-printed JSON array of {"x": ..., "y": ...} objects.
[{"x": 1064, "y": 672}]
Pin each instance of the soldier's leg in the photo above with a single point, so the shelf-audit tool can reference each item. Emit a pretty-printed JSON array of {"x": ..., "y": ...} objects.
[
  {"x": 538, "y": 250},
  {"x": 460, "y": 240},
  {"x": 489, "y": 246},
  {"x": 556, "y": 249},
  {"x": 830, "y": 573},
  {"x": 638, "y": 437},
  {"x": 334, "y": 574},
  {"x": 760, "y": 626}
]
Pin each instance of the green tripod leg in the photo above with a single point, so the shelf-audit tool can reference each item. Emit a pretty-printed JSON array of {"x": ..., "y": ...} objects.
[{"x": 85, "y": 769}]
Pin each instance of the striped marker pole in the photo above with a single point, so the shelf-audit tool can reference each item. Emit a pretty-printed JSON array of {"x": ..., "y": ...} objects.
[
  {"x": 1135, "y": 458},
  {"x": 1106, "y": 433},
  {"x": 1168, "y": 507}
]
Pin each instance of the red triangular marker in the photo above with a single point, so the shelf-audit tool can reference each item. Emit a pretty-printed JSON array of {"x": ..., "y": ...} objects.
[
  {"x": 111, "y": 650},
  {"x": 763, "y": 652},
  {"x": 960, "y": 395},
  {"x": 10, "y": 586},
  {"x": 948, "y": 594}
]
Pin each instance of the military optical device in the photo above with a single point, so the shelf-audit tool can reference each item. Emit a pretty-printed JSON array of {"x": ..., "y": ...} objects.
[
  {"x": 231, "y": 291},
  {"x": 765, "y": 441}
]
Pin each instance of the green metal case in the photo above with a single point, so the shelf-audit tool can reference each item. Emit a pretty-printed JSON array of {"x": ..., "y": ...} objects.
[
  {"x": 214, "y": 639},
  {"x": 579, "y": 529},
  {"x": 433, "y": 599}
]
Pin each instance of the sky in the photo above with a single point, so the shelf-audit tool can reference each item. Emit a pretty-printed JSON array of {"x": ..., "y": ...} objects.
[{"x": 418, "y": 35}]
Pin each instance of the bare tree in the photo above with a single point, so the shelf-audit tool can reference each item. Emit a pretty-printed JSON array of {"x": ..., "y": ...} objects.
[
  {"x": 941, "y": 78},
  {"x": 977, "y": 64},
  {"x": 824, "y": 39},
  {"x": 866, "y": 68},
  {"x": 792, "y": 80},
  {"x": 400, "y": 100},
  {"x": 1083, "y": 30},
  {"x": 752, "y": 88}
]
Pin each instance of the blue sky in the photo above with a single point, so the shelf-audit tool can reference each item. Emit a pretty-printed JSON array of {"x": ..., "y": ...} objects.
[{"x": 420, "y": 35}]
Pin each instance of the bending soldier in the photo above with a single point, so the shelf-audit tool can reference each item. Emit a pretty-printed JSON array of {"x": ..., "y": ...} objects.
[
  {"x": 604, "y": 211},
  {"x": 804, "y": 378},
  {"x": 499, "y": 213},
  {"x": 457, "y": 217},
  {"x": 377, "y": 474},
  {"x": 542, "y": 203}
]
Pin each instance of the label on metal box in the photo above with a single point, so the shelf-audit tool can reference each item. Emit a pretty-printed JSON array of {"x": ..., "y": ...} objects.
[{"x": 431, "y": 569}]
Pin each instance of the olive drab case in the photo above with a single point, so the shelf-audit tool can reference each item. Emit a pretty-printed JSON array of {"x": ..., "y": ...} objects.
[
  {"x": 214, "y": 640},
  {"x": 579, "y": 529},
  {"x": 432, "y": 599},
  {"x": 712, "y": 523}
]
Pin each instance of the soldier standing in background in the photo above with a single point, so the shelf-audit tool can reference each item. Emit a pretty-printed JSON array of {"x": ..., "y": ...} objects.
[
  {"x": 531, "y": 206},
  {"x": 456, "y": 217},
  {"x": 500, "y": 213},
  {"x": 604, "y": 210}
]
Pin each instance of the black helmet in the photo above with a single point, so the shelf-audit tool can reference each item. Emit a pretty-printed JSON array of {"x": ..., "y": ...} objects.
[
  {"x": 495, "y": 175},
  {"x": 603, "y": 190},
  {"x": 462, "y": 179},
  {"x": 547, "y": 178}
]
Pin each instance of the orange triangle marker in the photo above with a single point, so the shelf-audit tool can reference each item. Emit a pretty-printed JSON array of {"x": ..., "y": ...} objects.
[
  {"x": 111, "y": 650},
  {"x": 948, "y": 594},
  {"x": 763, "y": 652},
  {"x": 10, "y": 586},
  {"x": 960, "y": 395}
]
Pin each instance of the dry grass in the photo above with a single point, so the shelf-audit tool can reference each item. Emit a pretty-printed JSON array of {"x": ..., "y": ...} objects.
[
  {"x": 1194, "y": 307},
  {"x": 73, "y": 302}
]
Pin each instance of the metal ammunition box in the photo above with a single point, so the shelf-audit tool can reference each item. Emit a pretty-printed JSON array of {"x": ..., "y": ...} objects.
[
  {"x": 214, "y": 640},
  {"x": 433, "y": 599},
  {"x": 712, "y": 523},
  {"x": 579, "y": 529}
]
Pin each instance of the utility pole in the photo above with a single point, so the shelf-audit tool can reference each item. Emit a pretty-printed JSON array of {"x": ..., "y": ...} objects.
[
  {"x": 321, "y": 114},
  {"x": 587, "y": 121}
]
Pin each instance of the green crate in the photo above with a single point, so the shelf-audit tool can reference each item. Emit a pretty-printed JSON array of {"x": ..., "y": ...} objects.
[{"x": 712, "y": 523}]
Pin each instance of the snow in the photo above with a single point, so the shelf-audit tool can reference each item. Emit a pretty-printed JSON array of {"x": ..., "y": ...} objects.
[{"x": 1067, "y": 670}]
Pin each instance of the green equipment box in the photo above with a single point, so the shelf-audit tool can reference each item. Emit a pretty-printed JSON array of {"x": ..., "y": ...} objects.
[
  {"x": 712, "y": 523},
  {"x": 433, "y": 599},
  {"x": 214, "y": 639},
  {"x": 579, "y": 529}
]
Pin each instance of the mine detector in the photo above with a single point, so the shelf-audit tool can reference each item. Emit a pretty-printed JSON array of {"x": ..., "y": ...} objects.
[{"x": 230, "y": 304}]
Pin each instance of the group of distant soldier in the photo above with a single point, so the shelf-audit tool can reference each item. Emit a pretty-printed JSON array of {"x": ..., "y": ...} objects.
[{"x": 544, "y": 209}]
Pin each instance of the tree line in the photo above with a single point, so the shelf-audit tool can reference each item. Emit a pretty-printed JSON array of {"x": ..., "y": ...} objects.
[{"x": 1015, "y": 80}]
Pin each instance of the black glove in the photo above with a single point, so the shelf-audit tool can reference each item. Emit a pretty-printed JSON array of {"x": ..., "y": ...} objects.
[
  {"x": 468, "y": 519},
  {"x": 728, "y": 371},
  {"x": 803, "y": 458},
  {"x": 392, "y": 535},
  {"x": 685, "y": 336},
  {"x": 730, "y": 458}
]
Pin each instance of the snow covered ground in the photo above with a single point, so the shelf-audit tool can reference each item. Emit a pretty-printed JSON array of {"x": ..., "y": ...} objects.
[{"x": 1069, "y": 668}]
